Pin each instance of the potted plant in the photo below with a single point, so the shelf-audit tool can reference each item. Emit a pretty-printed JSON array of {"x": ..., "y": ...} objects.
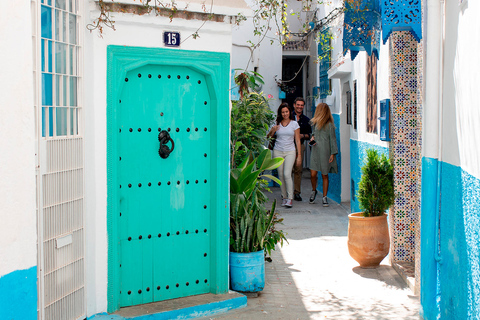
[
  {"x": 368, "y": 236},
  {"x": 252, "y": 227}
]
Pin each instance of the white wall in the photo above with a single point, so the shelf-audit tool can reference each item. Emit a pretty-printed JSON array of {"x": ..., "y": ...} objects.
[
  {"x": 131, "y": 30},
  {"x": 267, "y": 57},
  {"x": 454, "y": 102},
  {"x": 17, "y": 140},
  {"x": 461, "y": 103}
]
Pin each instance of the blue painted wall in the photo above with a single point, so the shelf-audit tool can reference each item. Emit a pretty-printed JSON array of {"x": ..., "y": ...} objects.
[
  {"x": 334, "y": 179},
  {"x": 451, "y": 287},
  {"x": 358, "y": 152},
  {"x": 18, "y": 295}
]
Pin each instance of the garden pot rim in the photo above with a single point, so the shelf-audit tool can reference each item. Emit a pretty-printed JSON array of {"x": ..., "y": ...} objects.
[
  {"x": 246, "y": 252},
  {"x": 359, "y": 216}
]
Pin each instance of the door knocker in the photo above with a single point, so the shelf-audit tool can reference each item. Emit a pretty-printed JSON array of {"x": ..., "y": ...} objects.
[{"x": 164, "y": 150}]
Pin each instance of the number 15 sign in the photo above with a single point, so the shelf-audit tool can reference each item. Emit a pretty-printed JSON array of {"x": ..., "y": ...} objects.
[{"x": 171, "y": 39}]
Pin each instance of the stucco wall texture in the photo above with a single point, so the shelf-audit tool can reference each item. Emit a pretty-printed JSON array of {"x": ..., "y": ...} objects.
[
  {"x": 18, "y": 251},
  {"x": 451, "y": 286}
]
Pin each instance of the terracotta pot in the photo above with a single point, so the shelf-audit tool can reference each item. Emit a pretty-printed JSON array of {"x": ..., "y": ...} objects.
[{"x": 368, "y": 239}]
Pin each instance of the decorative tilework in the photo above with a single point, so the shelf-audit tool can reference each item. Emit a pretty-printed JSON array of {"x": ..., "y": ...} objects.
[{"x": 404, "y": 148}]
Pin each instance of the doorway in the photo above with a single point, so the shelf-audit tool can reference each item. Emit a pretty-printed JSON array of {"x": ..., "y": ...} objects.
[{"x": 167, "y": 164}]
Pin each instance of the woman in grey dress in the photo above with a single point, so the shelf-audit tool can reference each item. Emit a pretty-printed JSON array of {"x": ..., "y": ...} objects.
[{"x": 324, "y": 149}]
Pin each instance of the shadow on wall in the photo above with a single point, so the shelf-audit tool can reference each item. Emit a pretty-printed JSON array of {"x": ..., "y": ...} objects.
[{"x": 358, "y": 152}]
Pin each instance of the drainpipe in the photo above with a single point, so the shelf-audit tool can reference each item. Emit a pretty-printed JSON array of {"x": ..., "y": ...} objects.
[{"x": 438, "y": 254}]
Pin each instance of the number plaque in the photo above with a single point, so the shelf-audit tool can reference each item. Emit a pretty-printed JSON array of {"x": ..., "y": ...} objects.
[{"x": 171, "y": 39}]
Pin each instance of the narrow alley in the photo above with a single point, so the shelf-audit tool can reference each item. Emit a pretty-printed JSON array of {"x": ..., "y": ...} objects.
[{"x": 313, "y": 276}]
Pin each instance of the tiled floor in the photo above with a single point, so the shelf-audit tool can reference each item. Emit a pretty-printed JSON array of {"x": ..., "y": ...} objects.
[{"x": 313, "y": 276}]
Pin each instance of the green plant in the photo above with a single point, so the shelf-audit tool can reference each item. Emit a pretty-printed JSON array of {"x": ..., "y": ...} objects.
[
  {"x": 375, "y": 190},
  {"x": 250, "y": 120},
  {"x": 252, "y": 227},
  {"x": 248, "y": 80}
]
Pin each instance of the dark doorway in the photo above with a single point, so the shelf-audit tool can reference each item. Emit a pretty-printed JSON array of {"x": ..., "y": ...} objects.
[{"x": 292, "y": 77}]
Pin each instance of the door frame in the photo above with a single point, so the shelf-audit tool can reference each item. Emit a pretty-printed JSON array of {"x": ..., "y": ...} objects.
[{"x": 215, "y": 67}]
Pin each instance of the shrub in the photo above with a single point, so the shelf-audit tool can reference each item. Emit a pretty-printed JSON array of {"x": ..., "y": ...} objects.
[{"x": 375, "y": 190}]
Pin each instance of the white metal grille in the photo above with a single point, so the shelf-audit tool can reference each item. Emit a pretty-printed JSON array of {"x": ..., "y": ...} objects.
[
  {"x": 63, "y": 261},
  {"x": 59, "y": 160}
]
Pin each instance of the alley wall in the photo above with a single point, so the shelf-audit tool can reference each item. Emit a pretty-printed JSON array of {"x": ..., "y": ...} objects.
[
  {"x": 451, "y": 169},
  {"x": 18, "y": 252}
]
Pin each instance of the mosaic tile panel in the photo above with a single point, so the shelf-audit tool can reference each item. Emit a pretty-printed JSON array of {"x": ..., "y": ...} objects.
[
  {"x": 404, "y": 147},
  {"x": 420, "y": 88}
]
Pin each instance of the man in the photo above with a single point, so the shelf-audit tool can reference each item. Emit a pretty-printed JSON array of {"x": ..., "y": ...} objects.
[{"x": 305, "y": 135}]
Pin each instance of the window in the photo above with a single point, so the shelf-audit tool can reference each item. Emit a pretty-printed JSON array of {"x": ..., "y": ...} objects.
[
  {"x": 372, "y": 94},
  {"x": 59, "y": 67},
  {"x": 349, "y": 107},
  {"x": 324, "y": 56},
  {"x": 355, "y": 104}
]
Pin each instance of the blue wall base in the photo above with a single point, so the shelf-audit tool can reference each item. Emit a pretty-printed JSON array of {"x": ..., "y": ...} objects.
[
  {"x": 233, "y": 301},
  {"x": 450, "y": 287},
  {"x": 358, "y": 152},
  {"x": 18, "y": 295}
]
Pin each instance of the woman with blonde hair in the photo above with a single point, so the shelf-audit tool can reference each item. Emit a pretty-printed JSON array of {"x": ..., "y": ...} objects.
[{"x": 324, "y": 149}]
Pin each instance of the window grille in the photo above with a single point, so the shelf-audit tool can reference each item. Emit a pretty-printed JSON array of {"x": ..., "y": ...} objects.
[{"x": 59, "y": 159}]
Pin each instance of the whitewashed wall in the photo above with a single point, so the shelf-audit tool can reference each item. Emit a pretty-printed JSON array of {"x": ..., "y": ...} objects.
[
  {"x": 17, "y": 140},
  {"x": 458, "y": 108},
  {"x": 131, "y": 30},
  {"x": 267, "y": 57},
  {"x": 461, "y": 103}
]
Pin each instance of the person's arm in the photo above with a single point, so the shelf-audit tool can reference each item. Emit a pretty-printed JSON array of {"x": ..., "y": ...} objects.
[
  {"x": 309, "y": 130},
  {"x": 298, "y": 146},
  {"x": 333, "y": 143}
]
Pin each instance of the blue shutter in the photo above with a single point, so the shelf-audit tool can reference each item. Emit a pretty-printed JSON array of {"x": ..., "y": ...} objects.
[
  {"x": 324, "y": 55},
  {"x": 385, "y": 120}
]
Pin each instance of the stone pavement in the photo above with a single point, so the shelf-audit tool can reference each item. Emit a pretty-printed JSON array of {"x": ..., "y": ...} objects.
[{"x": 313, "y": 276}]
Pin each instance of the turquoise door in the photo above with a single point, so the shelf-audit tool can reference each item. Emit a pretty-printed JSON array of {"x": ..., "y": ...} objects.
[{"x": 168, "y": 217}]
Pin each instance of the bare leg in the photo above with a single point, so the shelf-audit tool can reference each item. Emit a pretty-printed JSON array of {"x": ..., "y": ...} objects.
[
  {"x": 325, "y": 184},
  {"x": 314, "y": 179}
]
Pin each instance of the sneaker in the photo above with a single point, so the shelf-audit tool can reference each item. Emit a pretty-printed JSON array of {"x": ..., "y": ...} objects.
[
  {"x": 313, "y": 196},
  {"x": 283, "y": 202},
  {"x": 288, "y": 204},
  {"x": 297, "y": 197},
  {"x": 325, "y": 202}
]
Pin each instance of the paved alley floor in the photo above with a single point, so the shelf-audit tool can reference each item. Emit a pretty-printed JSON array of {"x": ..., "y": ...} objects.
[{"x": 313, "y": 276}]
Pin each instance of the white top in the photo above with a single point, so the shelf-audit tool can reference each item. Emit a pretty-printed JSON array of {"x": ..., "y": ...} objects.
[{"x": 286, "y": 137}]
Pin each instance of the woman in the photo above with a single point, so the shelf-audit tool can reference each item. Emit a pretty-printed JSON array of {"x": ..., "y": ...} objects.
[
  {"x": 324, "y": 149},
  {"x": 287, "y": 144}
]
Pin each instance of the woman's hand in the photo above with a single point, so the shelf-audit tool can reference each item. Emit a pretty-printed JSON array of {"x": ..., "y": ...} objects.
[
  {"x": 312, "y": 141},
  {"x": 330, "y": 160},
  {"x": 273, "y": 130}
]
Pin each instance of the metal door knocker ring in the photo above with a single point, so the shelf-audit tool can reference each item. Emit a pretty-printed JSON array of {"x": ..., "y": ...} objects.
[{"x": 164, "y": 150}]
